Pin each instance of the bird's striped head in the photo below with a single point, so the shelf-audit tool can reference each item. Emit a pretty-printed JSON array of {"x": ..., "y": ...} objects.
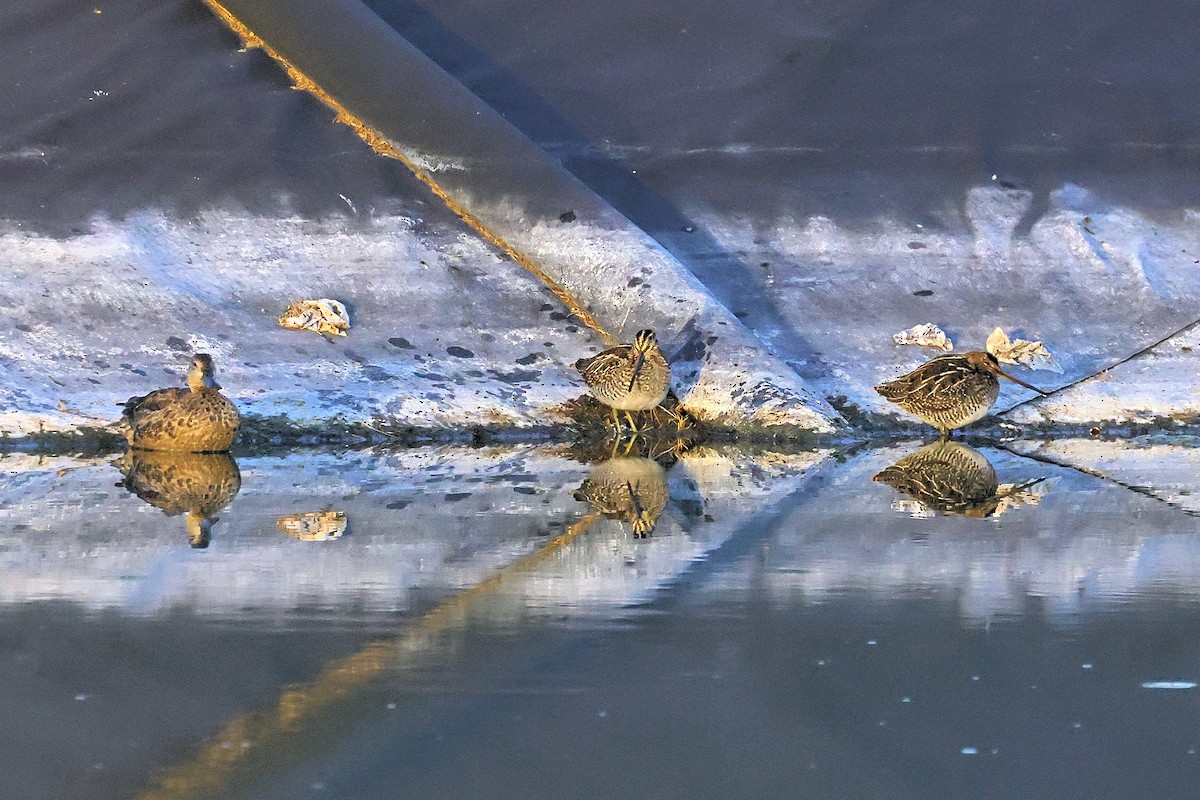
[{"x": 645, "y": 339}]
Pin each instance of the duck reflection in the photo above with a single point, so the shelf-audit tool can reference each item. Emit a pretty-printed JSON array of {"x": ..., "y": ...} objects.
[
  {"x": 197, "y": 485},
  {"x": 953, "y": 478},
  {"x": 627, "y": 488}
]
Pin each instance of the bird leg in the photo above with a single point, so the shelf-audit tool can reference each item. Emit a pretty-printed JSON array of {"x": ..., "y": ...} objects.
[
  {"x": 681, "y": 423},
  {"x": 633, "y": 426}
]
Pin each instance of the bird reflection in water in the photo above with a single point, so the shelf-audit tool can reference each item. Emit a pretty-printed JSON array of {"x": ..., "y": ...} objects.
[
  {"x": 953, "y": 478},
  {"x": 197, "y": 485},
  {"x": 632, "y": 487},
  {"x": 627, "y": 488}
]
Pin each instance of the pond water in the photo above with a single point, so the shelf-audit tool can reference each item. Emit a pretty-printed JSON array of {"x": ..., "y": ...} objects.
[{"x": 1014, "y": 620}]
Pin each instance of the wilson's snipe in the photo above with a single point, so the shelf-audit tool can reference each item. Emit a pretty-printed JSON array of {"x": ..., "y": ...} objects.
[
  {"x": 630, "y": 489},
  {"x": 194, "y": 420},
  {"x": 631, "y": 377},
  {"x": 950, "y": 391},
  {"x": 196, "y": 484}
]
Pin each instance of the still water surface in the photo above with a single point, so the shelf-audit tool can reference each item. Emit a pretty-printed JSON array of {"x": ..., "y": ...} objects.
[{"x": 984, "y": 622}]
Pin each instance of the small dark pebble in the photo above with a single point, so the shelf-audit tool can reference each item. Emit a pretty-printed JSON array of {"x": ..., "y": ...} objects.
[
  {"x": 399, "y": 504},
  {"x": 916, "y": 245},
  {"x": 524, "y": 490},
  {"x": 525, "y": 361},
  {"x": 177, "y": 344},
  {"x": 459, "y": 352},
  {"x": 633, "y": 282},
  {"x": 923, "y": 293},
  {"x": 557, "y": 315},
  {"x": 566, "y": 216},
  {"x": 401, "y": 342},
  {"x": 453, "y": 497},
  {"x": 547, "y": 307}
]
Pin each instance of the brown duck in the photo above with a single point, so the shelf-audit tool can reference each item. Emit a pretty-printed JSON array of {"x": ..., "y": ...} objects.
[
  {"x": 950, "y": 391},
  {"x": 629, "y": 489},
  {"x": 630, "y": 377},
  {"x": 198, "y": 419}
]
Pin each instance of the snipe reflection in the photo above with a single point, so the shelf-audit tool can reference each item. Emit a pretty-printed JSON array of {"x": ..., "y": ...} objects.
[
  {"x": 197, "y": 485},
  {"x": 627, "y": 488},
  {"x": 953, "y": 478}
]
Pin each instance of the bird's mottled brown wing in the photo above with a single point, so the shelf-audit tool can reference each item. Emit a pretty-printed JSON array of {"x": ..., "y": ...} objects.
[
  {"x": 148, "y": 403},
  {"x": 941, "y": 382},
  {"x": 600, "y": 367}
]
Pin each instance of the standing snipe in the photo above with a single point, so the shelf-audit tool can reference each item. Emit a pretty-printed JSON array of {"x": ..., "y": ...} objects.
[
  {"x": 950, "y": 391},
  {"x": 631, "y": 377},
  {"x": 198, "y": 419}
]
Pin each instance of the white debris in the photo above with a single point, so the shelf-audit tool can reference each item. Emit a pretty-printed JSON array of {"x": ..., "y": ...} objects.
[
  {"x": 925, "y": 335},
  {"x": 313, "y": 526},
  {"x": 322, "y": 316},
  {"x": 1169, "y": 685},
  {"x": 1020, "y": 351}
]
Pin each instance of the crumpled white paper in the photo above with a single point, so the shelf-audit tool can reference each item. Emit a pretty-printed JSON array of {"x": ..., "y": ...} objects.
[
  {"x": 925, "y": 335},
  {"x": 1020, "y": 351},
  {"x": 322, "y": 316}
]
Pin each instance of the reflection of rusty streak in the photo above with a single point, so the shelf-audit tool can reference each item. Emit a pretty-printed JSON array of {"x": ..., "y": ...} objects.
[
  {"x": 384, "y": 147},
  {"x": 209, "y": 768}
]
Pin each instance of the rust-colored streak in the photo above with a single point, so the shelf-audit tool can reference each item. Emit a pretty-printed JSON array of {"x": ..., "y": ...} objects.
[
  {"x": 211, "y": 767},
  {"x": 384, "y": 147}
]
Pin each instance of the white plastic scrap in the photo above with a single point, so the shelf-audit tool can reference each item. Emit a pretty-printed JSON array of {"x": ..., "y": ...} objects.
[
  {"x": 1019, "y": 351},
  {"x": 1012, "y": 496},
  {"x": 322, "y": 316},
  {"x": 925, "y": 335}
]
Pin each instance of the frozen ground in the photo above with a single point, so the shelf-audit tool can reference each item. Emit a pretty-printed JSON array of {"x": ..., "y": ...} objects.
[{"x": 775, "y": 258}]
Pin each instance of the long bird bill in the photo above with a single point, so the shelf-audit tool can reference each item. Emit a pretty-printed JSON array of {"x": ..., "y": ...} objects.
[
  {"x": 1020, "y": 382},
  {"x": 637, "y": 366}
]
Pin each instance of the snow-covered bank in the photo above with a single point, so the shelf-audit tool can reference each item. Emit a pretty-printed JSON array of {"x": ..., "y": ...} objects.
[
  {"x": 1096, "y": 283},
  {"x": 444, "y": 331}
]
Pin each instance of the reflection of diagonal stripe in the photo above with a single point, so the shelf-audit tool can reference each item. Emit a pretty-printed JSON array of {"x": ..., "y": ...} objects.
[
  {"x": 211, "y": 767},
  {"x": 380, "y": 144}
]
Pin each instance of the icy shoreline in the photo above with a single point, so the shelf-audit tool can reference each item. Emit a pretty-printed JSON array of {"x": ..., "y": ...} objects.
[{"x": 449, "y": 338}]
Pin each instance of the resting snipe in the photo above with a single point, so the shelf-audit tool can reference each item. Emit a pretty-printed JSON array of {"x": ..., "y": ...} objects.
[{"x": 950, "y": 391}]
